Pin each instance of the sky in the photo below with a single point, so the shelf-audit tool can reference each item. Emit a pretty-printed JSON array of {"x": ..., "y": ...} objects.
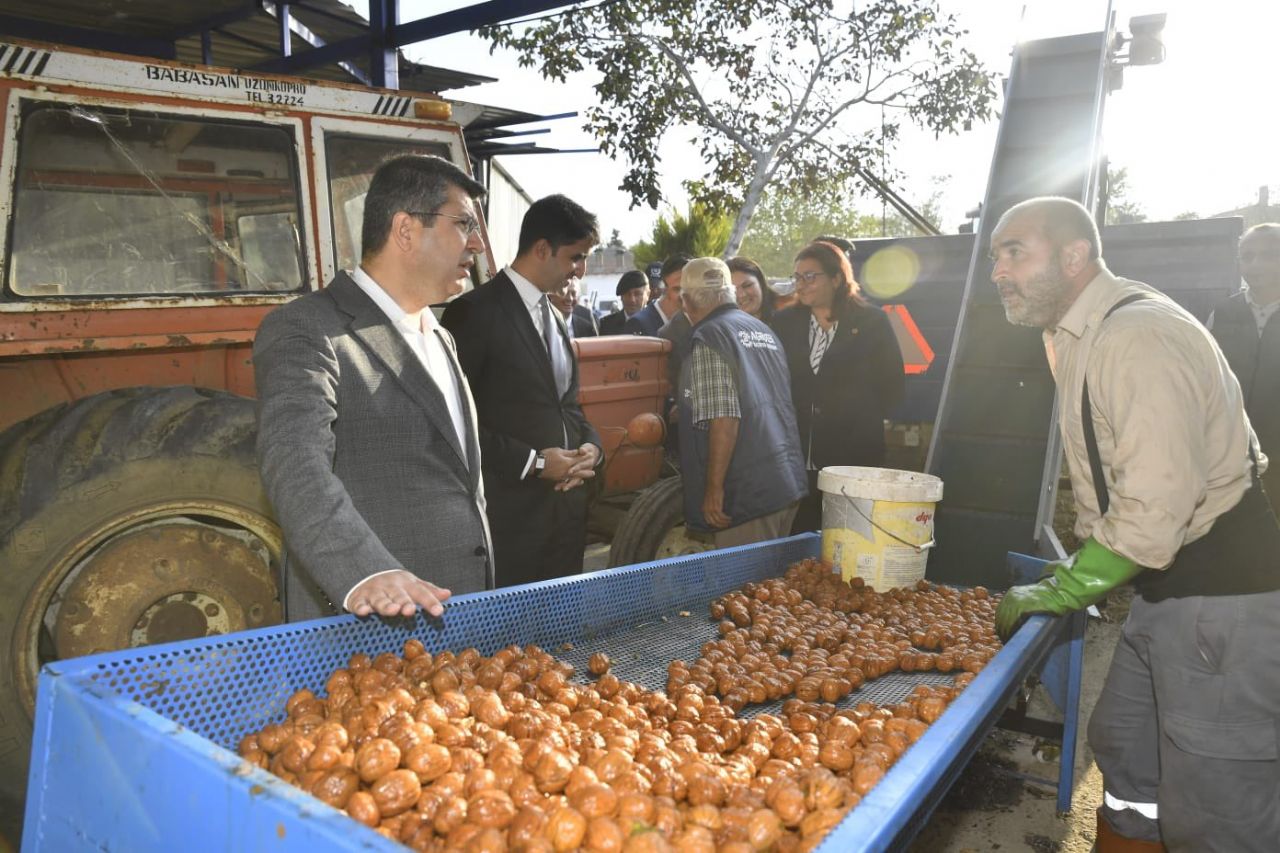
[{"x": 1200, "y": 132}]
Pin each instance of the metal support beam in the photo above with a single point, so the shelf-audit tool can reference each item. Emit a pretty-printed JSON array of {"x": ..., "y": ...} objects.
[
  {"x": 469, "y": 18},
  {"x": 303, "y": 32},
  {"x": 386, "y": 34},
  {"x": 917, "y": 219},
  {"x": 206, "y": 47},
  {"x": 285, "y": 20},
  {"x": 486, "y": 135},
  {"x": 384, "y": 61},
  {"x": 528, "y": 148},
  {"x": 248, "y": 10},
  {"x": 506, "y": 122},
  {"x": 16, "y": 27}
]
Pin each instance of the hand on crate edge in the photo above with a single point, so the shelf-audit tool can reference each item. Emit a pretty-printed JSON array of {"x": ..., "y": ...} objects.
[
  {"x": 1073, "y": 584},
  {"x": 396, "y": 593}
]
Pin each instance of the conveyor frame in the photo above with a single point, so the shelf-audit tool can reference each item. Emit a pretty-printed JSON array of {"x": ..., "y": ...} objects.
[{"x": 134, "y": 749}]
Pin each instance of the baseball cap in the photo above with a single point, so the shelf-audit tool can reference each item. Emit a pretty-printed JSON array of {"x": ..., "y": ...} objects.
[{"x": 706, "y": 274}]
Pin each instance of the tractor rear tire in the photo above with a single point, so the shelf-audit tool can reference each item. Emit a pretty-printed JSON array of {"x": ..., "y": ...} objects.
[
  {"x": 128, "y": 517},
  {"x": 654, "y": 528}
]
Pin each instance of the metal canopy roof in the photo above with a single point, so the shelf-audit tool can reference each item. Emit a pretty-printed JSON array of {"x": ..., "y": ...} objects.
[
  {"x": 242, "y": 34},
  {"x": 316, "y": 39}
]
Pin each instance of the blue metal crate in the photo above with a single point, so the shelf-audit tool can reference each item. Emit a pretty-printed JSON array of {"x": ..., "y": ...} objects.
[{"x": 134, "y": 750}]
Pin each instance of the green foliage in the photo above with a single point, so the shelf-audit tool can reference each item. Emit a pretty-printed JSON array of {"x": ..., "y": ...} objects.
[
  {"x": 1120, "y": 208},
  {"x": 789, "y": 217},
  {"x": 776, "y": 91},
  {"x": 698, "y": 233},
  {"x": 1186, "y": 215}
]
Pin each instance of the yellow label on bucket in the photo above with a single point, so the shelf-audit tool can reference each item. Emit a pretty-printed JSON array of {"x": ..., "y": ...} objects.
[{"x": 877, "y": 540}]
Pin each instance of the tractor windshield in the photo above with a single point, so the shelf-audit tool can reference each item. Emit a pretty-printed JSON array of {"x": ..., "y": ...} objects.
[{"x": 116, "y": 202}]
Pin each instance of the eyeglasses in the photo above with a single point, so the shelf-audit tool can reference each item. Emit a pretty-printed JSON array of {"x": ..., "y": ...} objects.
[
  {"x": 806, "y": 277},
  {"x": 469, "y": 223}
]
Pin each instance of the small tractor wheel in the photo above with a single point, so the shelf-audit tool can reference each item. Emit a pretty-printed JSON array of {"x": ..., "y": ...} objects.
[{"x": 654, "y": 528}]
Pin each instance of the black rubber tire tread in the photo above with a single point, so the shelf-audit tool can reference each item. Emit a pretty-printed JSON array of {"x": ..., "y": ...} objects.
[
  {"x": 659, "y": 508},
  {"x": 41, "y": 457},
  {"x": 70, "y": 469}
]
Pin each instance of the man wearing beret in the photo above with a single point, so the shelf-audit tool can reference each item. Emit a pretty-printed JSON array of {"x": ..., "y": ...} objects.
[{"x": 633, "y": 289}]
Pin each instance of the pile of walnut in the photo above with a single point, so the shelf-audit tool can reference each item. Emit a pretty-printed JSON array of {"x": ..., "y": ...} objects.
[{"x": 462, "y": 752}]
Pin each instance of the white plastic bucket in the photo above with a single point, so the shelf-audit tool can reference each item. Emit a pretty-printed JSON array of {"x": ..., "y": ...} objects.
[{"x": 877, "y": 523}]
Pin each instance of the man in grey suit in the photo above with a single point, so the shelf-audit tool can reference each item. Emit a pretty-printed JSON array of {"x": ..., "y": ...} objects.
[{"x": 367, "y": 437}]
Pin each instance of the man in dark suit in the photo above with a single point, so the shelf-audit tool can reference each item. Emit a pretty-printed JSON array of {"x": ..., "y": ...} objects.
[
  {"x": 584, "y": 323},
  {"x": 538, "y": 447},
  {"x": 633, "y": 290},
  {"x": 367, "y": 437},
  {"x": 578, "y": 319},
  {"x": 1246, "y": 327},
  {"x": 659, "y": 312}
]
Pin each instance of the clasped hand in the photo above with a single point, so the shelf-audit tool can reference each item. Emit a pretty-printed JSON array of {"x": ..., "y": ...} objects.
[{"x": 569, "y": 469}]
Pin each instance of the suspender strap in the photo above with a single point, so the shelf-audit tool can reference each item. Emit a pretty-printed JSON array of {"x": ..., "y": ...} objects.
[{"x": 1086, "y": 416}]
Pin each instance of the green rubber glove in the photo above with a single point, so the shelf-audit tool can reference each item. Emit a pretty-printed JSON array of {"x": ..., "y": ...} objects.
[{"x": 1083, "y": 579}]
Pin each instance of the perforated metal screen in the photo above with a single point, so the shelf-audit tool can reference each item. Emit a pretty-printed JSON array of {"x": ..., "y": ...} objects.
[{"x": 223, "y": 687}]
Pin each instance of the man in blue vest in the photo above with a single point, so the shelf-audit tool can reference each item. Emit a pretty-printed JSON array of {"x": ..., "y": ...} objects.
[
  {"x": 739, "y": 448},
  {"x": 1248, "y": 330}
]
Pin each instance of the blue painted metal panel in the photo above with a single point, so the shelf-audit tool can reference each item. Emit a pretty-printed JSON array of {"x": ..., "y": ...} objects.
[
  {"x": 133, "y": 748},
  {"x": 469, "y": 18}
]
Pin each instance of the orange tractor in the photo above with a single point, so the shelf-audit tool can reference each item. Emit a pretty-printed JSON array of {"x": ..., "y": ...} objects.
[{"x": 150, "y": 219}]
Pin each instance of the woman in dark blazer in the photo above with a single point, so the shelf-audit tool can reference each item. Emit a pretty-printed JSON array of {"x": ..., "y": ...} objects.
[{"x": 846, "y": 370}]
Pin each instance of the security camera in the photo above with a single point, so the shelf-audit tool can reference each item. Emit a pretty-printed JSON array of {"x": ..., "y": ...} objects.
[{"x": 1146, "y": 46}]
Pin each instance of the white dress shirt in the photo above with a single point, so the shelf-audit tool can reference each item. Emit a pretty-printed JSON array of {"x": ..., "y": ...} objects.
[
  {"x": 1261, "y": 313},
  {"x": 530, "y": 295},
  {"x": 421, "y": 331},
  {"x": 657, "y": 306}
]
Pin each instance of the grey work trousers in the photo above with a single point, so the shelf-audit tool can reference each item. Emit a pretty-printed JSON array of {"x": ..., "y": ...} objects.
[
  {"x": 1188, "y": 725},
  {"x": 775, "y": 525}
]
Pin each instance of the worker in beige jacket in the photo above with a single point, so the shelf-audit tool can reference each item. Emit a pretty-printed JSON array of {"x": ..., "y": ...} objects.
[{"x": 1165, "y": 475}]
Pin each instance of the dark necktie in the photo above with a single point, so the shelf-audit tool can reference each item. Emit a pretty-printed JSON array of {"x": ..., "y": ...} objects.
[{"x": 556, "y": 349}]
